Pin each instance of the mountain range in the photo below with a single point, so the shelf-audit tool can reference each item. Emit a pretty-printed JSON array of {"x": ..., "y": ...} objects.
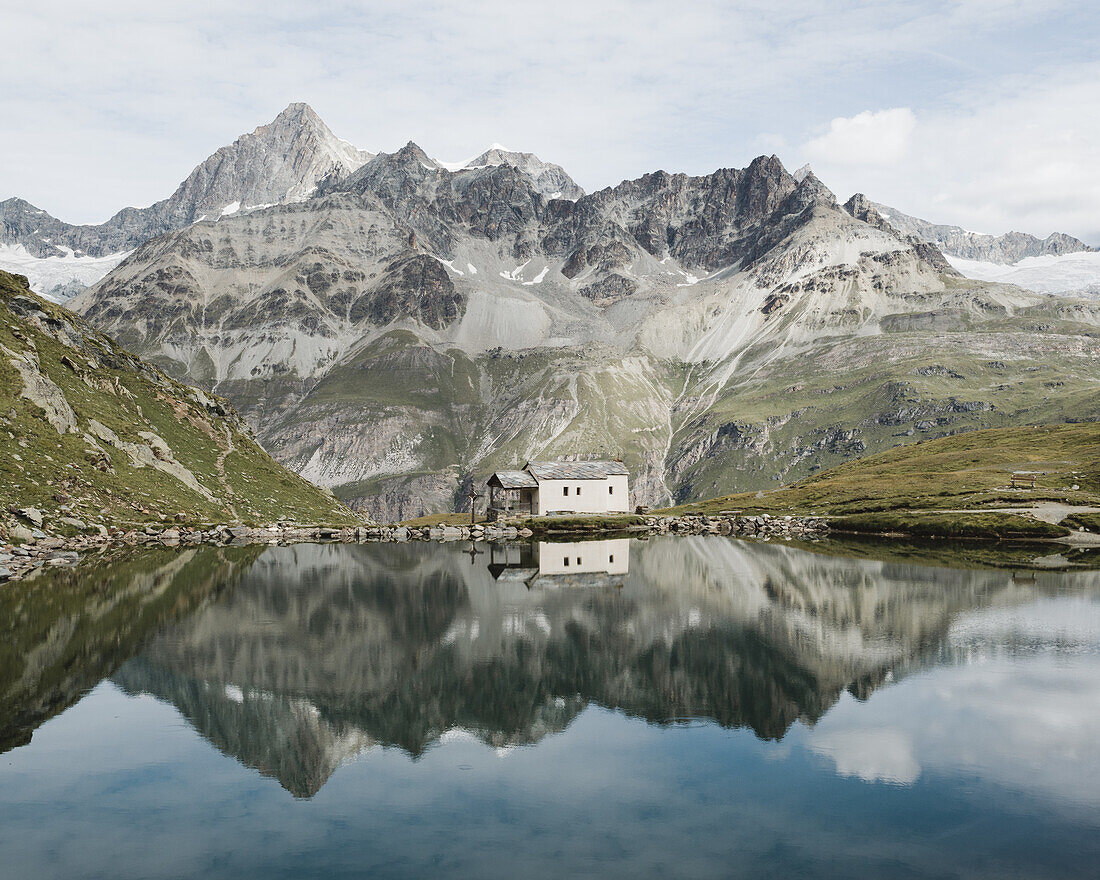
[
  {"x": 288, "y": 159},
  {"x": 1005, "y": 249},
  {"x": 1058, "y": 263},
  {"x": 394, "y": 327}
]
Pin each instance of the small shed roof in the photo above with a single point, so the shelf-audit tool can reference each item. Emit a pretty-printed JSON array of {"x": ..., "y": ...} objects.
[
  {"x": 576, "y": 470},
  {"x": 512, "y": 574},
  {"x": 513, "y": 480}
]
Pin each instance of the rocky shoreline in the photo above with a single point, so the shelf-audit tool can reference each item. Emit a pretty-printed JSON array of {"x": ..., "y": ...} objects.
[{"x": 42, "y": 550}]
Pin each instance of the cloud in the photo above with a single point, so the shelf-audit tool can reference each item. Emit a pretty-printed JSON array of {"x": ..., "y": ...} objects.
[
  {"x": 114, "y": 104},
  {"x": 1024, "y": 157},
  {"x": 879, "y": 754},
  {"x": 1020, "y": 710},
  {"x": 869, "y": 138}
]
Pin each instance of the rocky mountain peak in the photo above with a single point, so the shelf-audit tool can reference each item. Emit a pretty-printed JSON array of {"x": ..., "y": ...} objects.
[
  {"x": 283, "y": 161},
  {"x": 1061, "y": 243},
  {"x": 763, "y": 185},
  {"x": 17, "y": 204},
  {"x": 390, "y": 176},
  {"x": 280, "y": 162},
  {"x": 549, "y": 179},
  {"x": 297, "y": 112},
  {"x": 862, "y": 208},
  {"x": 383, "y": 170},
  {"x": 809, "y": 192},
  {"x": 412, "y": 152}
]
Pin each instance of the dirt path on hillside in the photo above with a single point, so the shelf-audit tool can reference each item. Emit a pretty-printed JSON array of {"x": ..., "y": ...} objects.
[
  {"x": 1051, "y": 512},
  {"x": 222, "y": 478}
]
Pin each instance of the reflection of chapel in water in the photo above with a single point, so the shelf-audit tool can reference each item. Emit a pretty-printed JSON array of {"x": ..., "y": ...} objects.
[{"x": 552, "y": 564}]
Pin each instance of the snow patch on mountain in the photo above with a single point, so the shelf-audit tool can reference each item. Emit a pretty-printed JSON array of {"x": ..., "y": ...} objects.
[
  {"x": 473, "y": 161},
  {"x": 57, "y": 278},
  {"x": 1077, "y": 273},
  {"x": 515, "y": 274},
  {"x": 538, "y": 278}
]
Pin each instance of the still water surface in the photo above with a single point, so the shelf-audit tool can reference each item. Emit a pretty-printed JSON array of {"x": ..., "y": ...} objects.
[{"x": 680, "y": 707}]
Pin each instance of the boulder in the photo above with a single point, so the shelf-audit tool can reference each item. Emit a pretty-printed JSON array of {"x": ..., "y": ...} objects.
[
  {"x": 20, "y": 533},
  {"x": 31, "y": 514}
]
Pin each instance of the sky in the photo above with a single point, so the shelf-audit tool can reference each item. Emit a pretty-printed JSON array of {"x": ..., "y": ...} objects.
[{"x": 983, "y": 113}]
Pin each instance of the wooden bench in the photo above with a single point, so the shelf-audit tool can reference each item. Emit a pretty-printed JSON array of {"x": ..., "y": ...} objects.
[{"x": 1023, "y": 481}]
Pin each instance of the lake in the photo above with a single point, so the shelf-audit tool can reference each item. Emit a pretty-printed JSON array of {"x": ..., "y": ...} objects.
[{"x": 677, "y": 707}]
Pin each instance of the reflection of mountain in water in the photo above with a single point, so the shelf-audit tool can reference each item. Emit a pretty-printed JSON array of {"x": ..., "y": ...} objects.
[
  {"x": 66, "y": 629},
  {"x": 322, "y": 651}
]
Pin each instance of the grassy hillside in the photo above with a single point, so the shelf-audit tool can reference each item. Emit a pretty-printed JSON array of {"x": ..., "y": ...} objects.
[
  {"x": 93, "y": 437},
  {"x": 970, "y": 471},
  {"x": 921, "y": 378}
]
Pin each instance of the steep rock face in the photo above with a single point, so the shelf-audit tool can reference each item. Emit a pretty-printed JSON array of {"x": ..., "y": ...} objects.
[
  {"x": 416, "y": 288},
  {"x": 278, "y": 163},
  {"x": 495, "y": 202},
  {"x": 862, "y": 208},
  {"x": 698, "y": 221},
  {"x": 411, "y": 328}
]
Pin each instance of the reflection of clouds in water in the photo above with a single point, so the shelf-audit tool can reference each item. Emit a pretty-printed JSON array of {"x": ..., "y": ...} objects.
[
  {"x": 877, "y": 754},
  {"x": 326, "y": 654},
  {"x": 1021, "y": 710},
  {"x": 1069, "y": 625},
  {"x": 1030, "y": 725}
]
